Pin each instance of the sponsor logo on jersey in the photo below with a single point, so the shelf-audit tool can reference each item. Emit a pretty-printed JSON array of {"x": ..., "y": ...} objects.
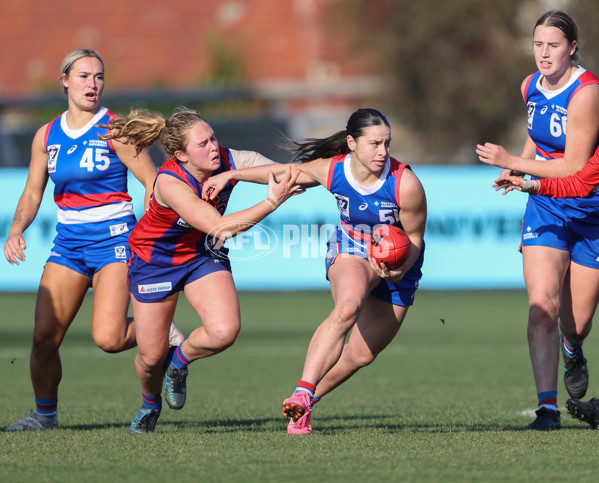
[
  {"x": 53, "y": 151},
  {"x": 119, "y": 229},
  {"x": 72, "y": 148},
  {"x": 529, "y": 235},
  {"x": 55, "y": 254},
  {"x": 120, "y": 252},
  {"x": 102, "y": 143},
  {"x": 544, "y": 110},
  {"x": 388, "y": 204},
  {"x": 183, "y": 223},
  {"x": 363, "y": 206},
  {"x": 531, "y": 112},
  {"x": 155, "y": 287},
  {"x": 343, "y": 205},
  {"x": 561, "y": 109}
]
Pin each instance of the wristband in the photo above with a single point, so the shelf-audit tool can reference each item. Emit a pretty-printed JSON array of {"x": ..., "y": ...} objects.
[{"x": 272, "y": 203}]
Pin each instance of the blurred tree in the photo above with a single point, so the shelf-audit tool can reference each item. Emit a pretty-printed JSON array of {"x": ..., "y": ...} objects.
[{"x": 455, "y": 68}]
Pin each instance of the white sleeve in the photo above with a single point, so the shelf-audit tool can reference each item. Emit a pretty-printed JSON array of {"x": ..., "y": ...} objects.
[{"x": 248, "y": 159}]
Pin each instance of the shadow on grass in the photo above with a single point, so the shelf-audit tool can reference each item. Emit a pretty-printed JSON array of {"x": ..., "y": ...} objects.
[{"x": 324, "y": 425}]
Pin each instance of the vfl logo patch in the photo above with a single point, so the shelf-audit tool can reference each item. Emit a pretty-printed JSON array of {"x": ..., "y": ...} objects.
[
  {"x": 120, "y": 252},
  {"x": 531, "y": 112},
  {"x": 53, "y": 151},
  {"x": 118, "y": 229},
  {"x": 183, "y": 223},
  {"x": 343, "y": 205},
  {"x": 155, "y": 287}
]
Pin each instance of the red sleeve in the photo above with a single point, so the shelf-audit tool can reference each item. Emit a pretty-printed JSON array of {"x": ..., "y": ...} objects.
[{"x": 579, "y": 184}]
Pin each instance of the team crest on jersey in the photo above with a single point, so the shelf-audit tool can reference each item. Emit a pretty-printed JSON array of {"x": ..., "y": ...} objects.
[
  {"x": 120, "y": 252},
  {"x": 343, "y": 205},
  {"x": 119, "y": 229},
  {"x": 53, "y": 151},
  {"x": 531, "y": 112}
]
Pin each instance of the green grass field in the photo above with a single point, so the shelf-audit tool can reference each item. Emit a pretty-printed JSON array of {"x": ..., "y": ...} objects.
[{"x": 444, "y": 402}]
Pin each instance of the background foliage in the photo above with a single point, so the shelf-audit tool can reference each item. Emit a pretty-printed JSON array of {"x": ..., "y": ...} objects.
[{"x": 455, "y": 68}]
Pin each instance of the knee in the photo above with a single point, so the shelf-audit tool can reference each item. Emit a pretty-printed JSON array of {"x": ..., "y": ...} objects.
[
  {"x": 345, "y": 314},
  {"x": 107, "y": 342},
  {"x": 149, "y": 361},
  {"x": 362, "y": 358},
  {"x": 45, "y": 346},
  {"x": 225, "y": 337},
  {"x": 542, "y": 313}
]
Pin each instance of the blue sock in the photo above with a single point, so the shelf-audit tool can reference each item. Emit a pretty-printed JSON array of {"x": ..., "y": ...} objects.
[
  {"x": 46, "y": 407},
  {"x": 548, "y": 400},
  {"x": 153, "y": 402},
  {"x": 178, "y": 359}
]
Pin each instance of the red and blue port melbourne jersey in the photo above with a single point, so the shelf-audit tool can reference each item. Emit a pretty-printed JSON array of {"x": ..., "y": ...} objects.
[
  {"x": 547, "y": 121},
  {"x": 164, "y": 239},
  {"x": 90, "y": 182},
  {"x": 361, "y": 208}
]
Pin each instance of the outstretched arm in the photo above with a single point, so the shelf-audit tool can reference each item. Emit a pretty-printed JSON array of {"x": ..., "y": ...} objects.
[
  {"x": 178, "y": 196},
  {"x": 257, "y": 174},
  {"x": 579, "y": 184}
]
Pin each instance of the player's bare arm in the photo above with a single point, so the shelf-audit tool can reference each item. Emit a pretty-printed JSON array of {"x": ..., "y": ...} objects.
[{"x": 30, "y": 200}]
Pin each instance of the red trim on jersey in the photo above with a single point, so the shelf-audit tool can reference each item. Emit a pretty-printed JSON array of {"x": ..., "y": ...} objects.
[
  {"x": 396, "y": 169},
  {"x": 525, "y": 91},
  {"x": 553, "y": 155},
  {"x": 356, "y": 235},
  {"x": 73, "y": 200},
  {"x": 334, "y": 160},
  {"x": 47, "y": 133}
]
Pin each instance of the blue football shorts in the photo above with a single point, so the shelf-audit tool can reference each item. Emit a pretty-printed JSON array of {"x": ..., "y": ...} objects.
[
  {"x": 565, "y": 225},
  {"x": 396, "y": 293},
  {"x": 150, "y": 283},
  {"x": 88, "y": 258}
]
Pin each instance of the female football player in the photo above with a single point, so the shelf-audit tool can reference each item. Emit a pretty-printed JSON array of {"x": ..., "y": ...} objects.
[
  {"x": 95, "y": 217},
  {"x": 177, "y": 246},
  {"x": 561, "y": 267},
  {"x": 370, "y": 300}
]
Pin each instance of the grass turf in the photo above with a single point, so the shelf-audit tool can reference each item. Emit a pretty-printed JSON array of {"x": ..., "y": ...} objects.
[{"x": 445, "y": 401}]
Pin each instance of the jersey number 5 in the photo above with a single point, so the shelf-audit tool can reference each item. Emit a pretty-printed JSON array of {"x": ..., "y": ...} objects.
[{"x": 390, "y": 217}]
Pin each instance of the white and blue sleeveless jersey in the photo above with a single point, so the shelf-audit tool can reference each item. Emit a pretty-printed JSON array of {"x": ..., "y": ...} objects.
[
  {"x": 90, "y": 182},
  {"x": 547, "y": 123},
  {"x": 362, "y": 208}
]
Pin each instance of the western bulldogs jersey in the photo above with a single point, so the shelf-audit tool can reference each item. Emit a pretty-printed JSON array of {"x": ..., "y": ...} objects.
[
  {"x": 547, "y": 121},
  {"x": 548, "y": 112},
  {"x": 90, "y": 181},
  {"x": 164, "y": 239},
  {"x": 362, "y": 208}
]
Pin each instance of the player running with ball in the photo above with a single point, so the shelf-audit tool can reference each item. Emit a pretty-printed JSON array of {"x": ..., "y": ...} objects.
[{"x": 371, "y": 188}]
